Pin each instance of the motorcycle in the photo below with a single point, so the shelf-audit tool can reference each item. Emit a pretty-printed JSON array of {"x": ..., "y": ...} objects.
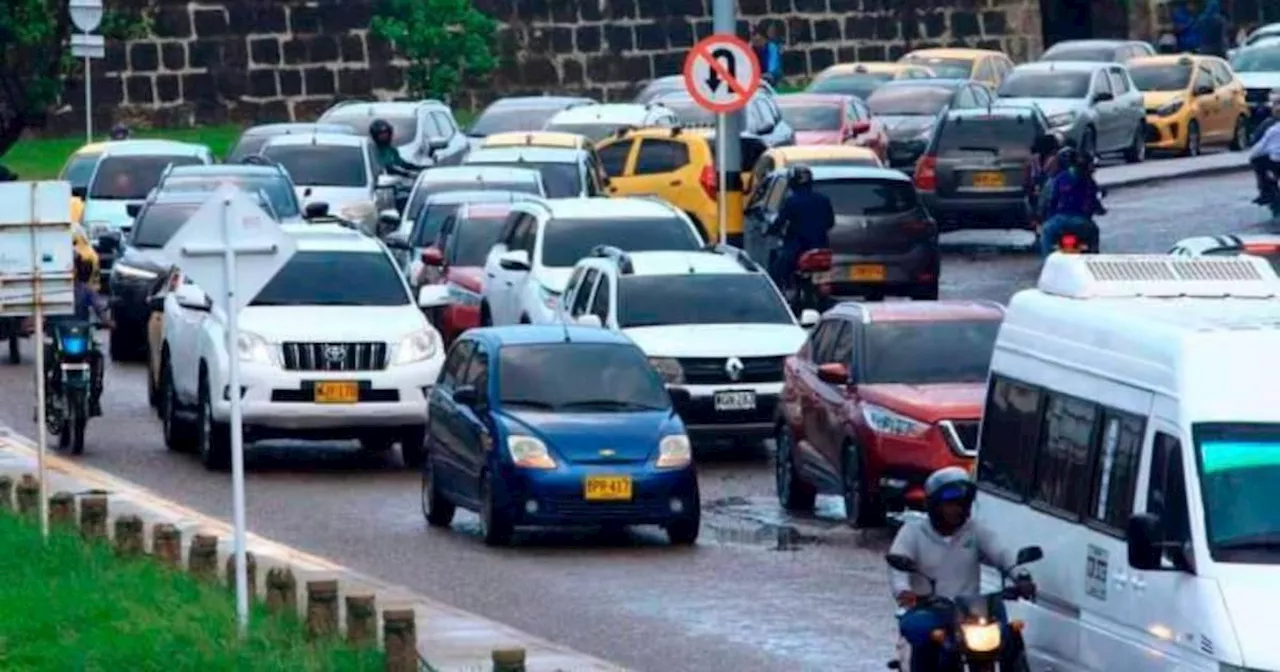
[
  {"x": 805, "y": 292},
  {"x": 975, "y": 640},
  {"x": 68, "y": 382}
]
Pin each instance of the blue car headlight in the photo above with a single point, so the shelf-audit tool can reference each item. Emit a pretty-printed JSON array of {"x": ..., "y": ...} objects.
[{"x": 75, "y": 345}]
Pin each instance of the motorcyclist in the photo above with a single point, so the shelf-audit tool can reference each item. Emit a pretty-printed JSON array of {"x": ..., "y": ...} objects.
[
  {"x": 1073, "y": 202},
  {"x": 1265, "y": 156},
  {"x": 803, "y": 222},
  {"x": 89, "y": 304},
  {"x": 1043, "y": 151},
  {"x": 120, "y": 132},
  {"x": 950, "y": 547},
  {"x": 388, "y": 156}
]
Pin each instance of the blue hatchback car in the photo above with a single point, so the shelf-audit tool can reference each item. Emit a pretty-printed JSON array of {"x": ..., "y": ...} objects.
[{"x": 556, "y": 426}]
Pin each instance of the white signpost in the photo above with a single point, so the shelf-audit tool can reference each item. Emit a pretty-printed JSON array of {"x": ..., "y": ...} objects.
[
  {"x": 232, "y": 248},
  {"x": 37, "y": 279},
  {"x": 87, "y": 15}
]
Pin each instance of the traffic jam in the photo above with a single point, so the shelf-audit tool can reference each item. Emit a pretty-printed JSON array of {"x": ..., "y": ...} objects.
[{"x": 556, "y": 314}]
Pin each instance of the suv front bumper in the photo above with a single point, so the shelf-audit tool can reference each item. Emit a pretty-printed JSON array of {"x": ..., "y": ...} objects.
[{"x": 704, "y": 422}]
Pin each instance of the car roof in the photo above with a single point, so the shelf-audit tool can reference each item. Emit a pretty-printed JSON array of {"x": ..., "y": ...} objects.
[
  {"x": 371, "y": 108},
  {"x": 1200, "y": 244},
  {"x": 515, "y": 155},
  {"x": 536, "y": 334},
  {"x": 950, "y": 52},
  {"x": 929, "y": 82},
  {"x": 921, "y": 311},
  {"x": 821, "y": 173},
  {"x": 608, "y": 208},
  {"x": 153, "y": 148},
  {"x": 1065, "y": 66},
  {"x": 998, "y": 110},
  {"x": 224, "y": 169},
  {"x": 91, "y": 148},
  {"x": 535, "y": 139},
  {"x": 1167, "y": 59},
  {"x": 477, "y": 196},
  {"x": 330, "y": 238},
  {"x": 794, "y": 153},
  {"x": 868, "y": 66},
  {"x": 480, "y": 174},
  {"x": 541, "y": 101},
  {"x": 297, "y": 127},
  {"x": 813, "y": 99},
  {"x": 340, "y": 139},
  {"x": 1094, "y": 43},
  {"x": 621, "y": 113},
  {"x": 683, "y": 263},
  {"x": 484, "y": 209}
]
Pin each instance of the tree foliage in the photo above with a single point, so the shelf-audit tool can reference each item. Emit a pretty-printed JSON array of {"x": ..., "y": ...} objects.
[{"x": 443, "y": 41}]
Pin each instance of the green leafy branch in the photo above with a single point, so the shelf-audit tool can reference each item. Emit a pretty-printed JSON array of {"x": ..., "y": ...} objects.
[{"x": 443, "y": 41}]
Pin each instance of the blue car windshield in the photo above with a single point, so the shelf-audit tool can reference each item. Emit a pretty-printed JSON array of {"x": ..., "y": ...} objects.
[{"x": 607, "y": 377}]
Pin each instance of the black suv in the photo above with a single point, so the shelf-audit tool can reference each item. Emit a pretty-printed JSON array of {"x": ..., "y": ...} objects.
[{"x": 971, "y": 176}]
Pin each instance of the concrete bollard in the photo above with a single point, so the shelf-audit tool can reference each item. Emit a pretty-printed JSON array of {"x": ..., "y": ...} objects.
[
  {"x": 251, "y": 572},
  {"x": 27, "y": 495},
  {"x": 322, "y": 609},
  {"x": 166, "y": 544},
  {"x": 62, "y": 510},
  {"x": 362, "y": 620},
  {"x": 282, "y": 591},
  {"x": 508, "y": 660},
  {"x": 202, "y": 557},
  {"x": 128, "y": 536},
  {"x": 6, "y": 493},
  {"x": 93, "y": 517},
  {"x": 400, "y": 640}
]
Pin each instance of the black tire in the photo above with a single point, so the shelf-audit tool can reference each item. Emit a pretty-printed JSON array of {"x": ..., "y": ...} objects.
[
  {"x": 495, "y": 525},
  {"x": 684, "y": 532},
  {"x": 15, "y": 349},
  {"x": 118, "y": 349},
  {"x": 486, "y": 320},
  {"x": 524, "y": 319},
  {"x": 925, "y": 292},
  {"x": 1240, "y": 136},
  {"x": 862, "y": 509},
  {"x": 438, "y": 511},
  {"x": 1137, "y": 151},
  {"x": 178, "y": 434},
  {"x": 413, "y": 448},
  {"x": 214, "y": 440},
  {"x": 793, "y": 493},
  {"x": 377, "y": 443},
  {"x": 1193, "y": 139},
  {"x": 77, "y": 420}
]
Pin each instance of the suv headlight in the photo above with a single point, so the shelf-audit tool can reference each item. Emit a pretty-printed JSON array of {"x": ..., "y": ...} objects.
[
  {"x": 529, "y": 453},
  {"x": 416, "y": 347},
  {"x": 674, "y": 451},
  {"x": 1170, "y": 107},
  {"x": 133, "y": 272},
  {"x": 670, "y": 370},
  {"x": 254, "y": 349},
  {"x": 885, "y": 421}
]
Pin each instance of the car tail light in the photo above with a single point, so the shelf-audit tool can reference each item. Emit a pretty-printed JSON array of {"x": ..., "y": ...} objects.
[
  {"x": 814, "y": 261},
  {"x": 927, "y": 173},
  {"x": 1257, "y": 248},
  {"x": 708, "y": 180},
  {"x": 1068, "y": 242}
]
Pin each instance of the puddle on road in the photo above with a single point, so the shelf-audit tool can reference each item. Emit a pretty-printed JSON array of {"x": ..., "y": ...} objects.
[{"x": 759, "y": 521}]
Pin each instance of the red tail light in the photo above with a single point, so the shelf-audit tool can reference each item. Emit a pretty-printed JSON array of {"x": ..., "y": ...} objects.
[
  {"x": 926, "y": 178},
  {"x": 1255, "y": 248},
  {"x": 708, "y": 180},
  {"x": 814, "y": 261},
  {"x": 1068, "y": 242}
]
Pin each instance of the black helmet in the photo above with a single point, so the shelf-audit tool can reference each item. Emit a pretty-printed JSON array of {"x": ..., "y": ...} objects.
[
  {"x": 379, "y": 128},
  {"x": 948, "y": 484},
  {"x": 119, "y": 132},
  {"x": 799, "y": 176},
  {"x": 1068, "y": 156}
]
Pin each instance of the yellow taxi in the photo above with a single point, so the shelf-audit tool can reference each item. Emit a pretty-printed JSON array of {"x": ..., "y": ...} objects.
[
  {"x": 78, "y": 170},
  {"x": 678, "y": 165},
  {"x": 981, "y": 65},
  {"x": 811, "y": 155},
  {"x": 1191, "y": 101}
]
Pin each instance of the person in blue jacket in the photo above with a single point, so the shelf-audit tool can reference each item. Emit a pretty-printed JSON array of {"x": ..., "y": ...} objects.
[
  {"x": 804, "y": 222},
  {"x": 1074, "y": 200},
  {"x": 1185, "y": 18},
  {"x": 768, "y": 48}
]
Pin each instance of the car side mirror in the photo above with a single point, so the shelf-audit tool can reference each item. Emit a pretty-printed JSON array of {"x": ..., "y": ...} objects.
[
  {"x": 1145, "y": 542},
  {"x": 861, "y": 127},
  {"x": 809, "y": 318},
  {"x": 316, "y": 210},
  {"x": 436, "y": 144},
  {"x": 80, "y": 192},
  {"x": 397, "y": 241},
  {"x": 468, "y": 396},
  {"x": 834, "y": 373},
  {"x": 385, "y": 182},
  {"x": 1028, "y": 555},
  {"x": 133, "y": 209},
  {"x": 390, "y": 218},
  {"x": 434, "y": 296},
  {"x": 1102, "y": 97},
  {"x": 433, "y": 257},
  {"x": 192, "y": 298},
  {"x": 901, "y": 563},
  {"x": 515, "y": 260},
  {"x": 156, "y": 304},
  {"x": 589, "y": 320}
]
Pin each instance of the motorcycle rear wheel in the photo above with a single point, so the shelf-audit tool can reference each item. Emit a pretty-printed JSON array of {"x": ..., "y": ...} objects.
[{"x": 73, "y": 426}]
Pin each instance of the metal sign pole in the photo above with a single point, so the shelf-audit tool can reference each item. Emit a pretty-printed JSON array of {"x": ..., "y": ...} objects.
[
  {"x": 42, "y": 435},
  {"x": 237, "y": 426},
  {"x": 722, "y": 192},
  {"x": 724, "y": 21},
  {"x": 88, "y": 101}
]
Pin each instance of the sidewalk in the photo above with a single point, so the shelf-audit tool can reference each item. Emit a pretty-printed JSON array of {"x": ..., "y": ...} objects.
[
  {"x": 451, "y": 640},
  {"x": 1161, "y": 169}
]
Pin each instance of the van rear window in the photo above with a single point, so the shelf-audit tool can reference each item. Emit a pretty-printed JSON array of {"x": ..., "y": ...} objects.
[
  {"x": 866, "y": 198},
  {"x": 1005, "y": 135}
]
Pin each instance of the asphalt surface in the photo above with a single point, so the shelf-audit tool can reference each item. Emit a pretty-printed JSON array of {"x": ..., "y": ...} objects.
[{"x": 759, "y": 592}]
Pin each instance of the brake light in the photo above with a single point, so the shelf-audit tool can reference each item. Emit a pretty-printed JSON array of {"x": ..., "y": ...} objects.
[
  {"x": 814, "y": 261},
  {"x": 1255, "y": 248},
  {"x": 708, "y": 180},
  {"x": 926, "y": 178},
  {"x": 1068, "y": 242}
]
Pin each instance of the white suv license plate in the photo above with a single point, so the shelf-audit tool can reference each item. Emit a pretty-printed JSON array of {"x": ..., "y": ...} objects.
[{"x": 735, "y": 400}]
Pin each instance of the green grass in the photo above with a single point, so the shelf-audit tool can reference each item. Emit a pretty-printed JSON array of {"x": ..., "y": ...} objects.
[{"x": 76, "y": 606}]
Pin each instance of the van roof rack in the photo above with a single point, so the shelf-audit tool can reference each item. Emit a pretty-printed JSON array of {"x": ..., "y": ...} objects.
[
  {"x": 617, "y": 255},
  {"x": 738, "y": 255},
  {"x": 1157, "y": 276}
]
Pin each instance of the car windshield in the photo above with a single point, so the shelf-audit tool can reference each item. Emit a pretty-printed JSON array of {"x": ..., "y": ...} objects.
[
  {"x": 1046, "y": 85},
  {"x": 860, "y": 84},
  {"x": 158, "y": 224},
  {"x": 1162, "y": 77},
  {"x": 661, "y": 300},
  {"x": 471, "y": 240},
  {"x": 944, "y": 68},
  {"x": 1081, "y": 53},
  {"x": 321, "y": 165},
  {"x": 1009, "y": 136},
  {"x": 659, "y": 88},
  {"x": 508, "y": 119},
  {"x": 1239, "y": 476},
  {"x": 278, "y": 189},
  {"x": 813, "y": 117},
  {"x": 1265, "y": 59},
  {"x": 607, "y": 377},
  {"x": 323, "y": 278},
  {"x": 404, "y": 127},
  {"x": 79, "y": 169},
  {"x": 427, "y": 226},
  {"x": 689, "y": 112},
  {"x": 594, "y": 132},
  {"x": 559, "y": 179},
  {"x": 247, "y": 146},
  {"x": 425, "y": 191},
  {"x": 568, "y": 240},
  {"x": 927, "y": 353},
  {"x": 917, "y": 101},
  {"x": 131, "y": 178},
  {"x": 868, "y": 198}
]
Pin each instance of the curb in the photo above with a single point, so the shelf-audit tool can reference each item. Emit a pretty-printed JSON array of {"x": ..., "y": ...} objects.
[{"x": 1147, "y": 180}]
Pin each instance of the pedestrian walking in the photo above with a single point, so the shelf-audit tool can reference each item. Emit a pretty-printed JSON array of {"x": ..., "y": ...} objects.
[{"x": 768, "y": 48}]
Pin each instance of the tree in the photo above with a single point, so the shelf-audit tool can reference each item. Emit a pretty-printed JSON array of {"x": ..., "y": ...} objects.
[{"x": 442, "y": 40}]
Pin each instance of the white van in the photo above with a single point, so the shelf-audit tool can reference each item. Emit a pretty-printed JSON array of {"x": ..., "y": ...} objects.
[{"x": 1132, "y": 430}]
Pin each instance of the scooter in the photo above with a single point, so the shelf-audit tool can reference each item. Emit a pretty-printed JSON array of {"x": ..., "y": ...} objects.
[
  {"x": 68, "y": 382},
  {"x": 805, "y": 292},
  {"x": 976, "y": 639}
]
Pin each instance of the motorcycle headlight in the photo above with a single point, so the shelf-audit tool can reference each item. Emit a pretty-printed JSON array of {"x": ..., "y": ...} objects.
[
  {"x": 670, "y": 370},
  {"x": 529, "y": 453},
  {"x": 1170, "y": 107},
  {"x": 254, "y": 349},
  {"x": 674, "y": 451},
  {"x": 75, "y": 345},
  {"x": 1062, "y": 119},
  {"x": 981, "y": 637},
  {"x": 885, "y": 421},
  {"x": 416, "y": 347},
  {"x": 133, "y": 272}
]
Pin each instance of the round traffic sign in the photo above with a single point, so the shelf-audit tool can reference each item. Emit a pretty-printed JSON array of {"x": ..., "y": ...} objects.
[{"x": 721, "y": 73}]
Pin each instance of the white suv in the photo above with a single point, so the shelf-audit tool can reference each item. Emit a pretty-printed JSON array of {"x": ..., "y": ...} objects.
[
  {"x": 541, "y": 241},
  {"x": 712, "y": 323},
  {"x": 598, "y": 122},
  {"x": 338, "y": 170},
  {"x": 334, "y": 347}
]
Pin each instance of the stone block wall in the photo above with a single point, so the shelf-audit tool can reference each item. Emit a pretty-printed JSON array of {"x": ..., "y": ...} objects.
[{"x": 251, "y": 61}]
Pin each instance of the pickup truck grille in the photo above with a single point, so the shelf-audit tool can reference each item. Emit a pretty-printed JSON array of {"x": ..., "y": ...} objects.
[
  {"x": 715, "y": 370},
  {"x": 335, "y": 356}
]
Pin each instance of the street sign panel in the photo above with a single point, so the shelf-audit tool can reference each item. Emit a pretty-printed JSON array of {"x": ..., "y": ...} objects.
[
  {"x": 88, "y": 46},
  {"x": 86, "y": 14},
  {"x": 721, "y": 73},
  {"x": 36, "y": 251},
  {"x": 261, "y": 247}
]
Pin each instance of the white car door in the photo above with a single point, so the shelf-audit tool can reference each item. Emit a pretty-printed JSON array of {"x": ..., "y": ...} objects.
[
  {"x": 521, "y": 292},
  {"x": 183, "y": 321},
  {"x": 571, "y": 291},
  {"x": 497, "y": 280}
]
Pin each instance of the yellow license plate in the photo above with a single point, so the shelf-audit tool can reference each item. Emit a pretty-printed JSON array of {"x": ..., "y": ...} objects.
[
  {"x": 989, "y": 180},
  {"x": 867, "y": 273},
  {"x": 337, "y": 392},
  {"x": 607, "y": 488}
]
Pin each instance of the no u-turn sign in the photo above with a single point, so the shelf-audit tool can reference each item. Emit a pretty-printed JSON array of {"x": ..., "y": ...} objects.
[{"x": 722, "y": 73}]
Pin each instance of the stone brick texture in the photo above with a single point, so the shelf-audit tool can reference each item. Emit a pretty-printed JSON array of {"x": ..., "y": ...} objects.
[{"x": 257, "y": 61}]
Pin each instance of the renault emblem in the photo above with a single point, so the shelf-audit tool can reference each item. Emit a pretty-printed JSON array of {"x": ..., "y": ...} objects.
[
  {"x": 734, "y": 368},
  {"x": 607, "y": 452},
  {"x": 335, "y": 354}
]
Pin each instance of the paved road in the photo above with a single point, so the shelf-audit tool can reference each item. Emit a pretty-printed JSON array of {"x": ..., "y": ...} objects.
[{"x": 759, "y": 593}]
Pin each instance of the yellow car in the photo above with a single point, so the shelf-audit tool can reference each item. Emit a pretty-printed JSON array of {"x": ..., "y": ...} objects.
[
  {"x": 1191, "y": 101},
  {"x": 860, "y": 79},
  {"x": 812, "y": 155},
  {"x": 981, "y": 65},
  {"x": 678, "y": 165},
  {"x": 78, "y": 170}
]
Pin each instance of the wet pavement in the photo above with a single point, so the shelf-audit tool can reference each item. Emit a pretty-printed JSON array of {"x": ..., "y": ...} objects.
[{"x": 761, "y": 591}]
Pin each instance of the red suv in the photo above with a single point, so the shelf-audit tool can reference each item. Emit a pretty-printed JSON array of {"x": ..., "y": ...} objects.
[
  {"x": 457, "y": 261},
  {"x": 879, "y": 397}
]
